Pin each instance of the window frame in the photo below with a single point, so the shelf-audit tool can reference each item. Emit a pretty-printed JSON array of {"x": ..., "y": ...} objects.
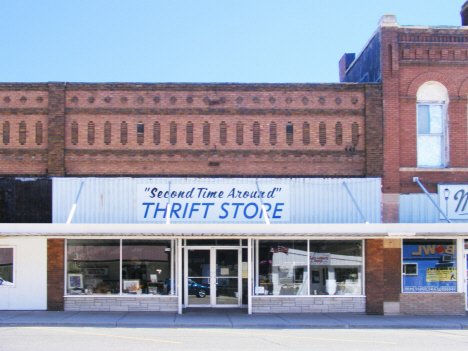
[
  {"x": 171, "y": 263},
  {"x": 13, "y": 269},
  {"x": 443, "y": 136}
]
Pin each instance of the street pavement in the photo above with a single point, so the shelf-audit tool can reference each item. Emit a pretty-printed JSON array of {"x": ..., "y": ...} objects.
[{"x": 228, "y": 318}]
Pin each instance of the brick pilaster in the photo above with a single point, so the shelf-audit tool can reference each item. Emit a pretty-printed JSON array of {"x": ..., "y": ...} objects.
[
  {"x": 56, "y": 130},
  {"x": 374, "y": 276},
  {"x": 55, "y": 274}
]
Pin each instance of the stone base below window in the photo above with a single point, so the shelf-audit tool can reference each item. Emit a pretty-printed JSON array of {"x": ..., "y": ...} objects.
[
  {"x": 118, "y": 303},
  {"x": 428, "y": 303},
  {"x": 309, "y": 304}
]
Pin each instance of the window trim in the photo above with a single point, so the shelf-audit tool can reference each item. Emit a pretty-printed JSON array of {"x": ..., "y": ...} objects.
[
  {"x": 444, "y": 135},
  {"x": 14, "y": 267}
]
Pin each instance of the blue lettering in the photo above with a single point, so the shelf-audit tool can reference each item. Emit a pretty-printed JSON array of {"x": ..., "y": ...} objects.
[
  {"x": 267, "y": 209},
  {"x": 237, "y": 208},
  {"x": 277, "y": 210},
  {"x": 147, "y": 204},
  {"x": 157, "y": 210},
  {"x": 193, "y": 209},
  {"x": 225, "y": 211},
  {"x": 185, "y": 210},
  {"x": 207, "y": 207},
  {"x": 247, "y": 206},
  {"x": 174, "y": 210}
]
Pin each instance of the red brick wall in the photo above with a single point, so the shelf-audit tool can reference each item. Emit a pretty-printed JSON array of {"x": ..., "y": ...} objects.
[
  {"x": 418, "y": 56},
  {"x": 55, "y": 274},
  {"x": 88, "y": 152},
  {"x": 374, "y": 276}
]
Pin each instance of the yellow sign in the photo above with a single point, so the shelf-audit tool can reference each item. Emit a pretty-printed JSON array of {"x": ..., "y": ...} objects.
[{"x": 445, "y": 274}]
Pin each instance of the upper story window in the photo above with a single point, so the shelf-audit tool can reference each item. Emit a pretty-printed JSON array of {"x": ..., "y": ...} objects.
[{"x": 432, "y": 139}]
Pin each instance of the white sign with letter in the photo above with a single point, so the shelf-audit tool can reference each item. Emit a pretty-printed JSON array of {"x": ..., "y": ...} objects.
[
  {"x": 453, "y": 200},
  {"x": 213, "y": 202}
]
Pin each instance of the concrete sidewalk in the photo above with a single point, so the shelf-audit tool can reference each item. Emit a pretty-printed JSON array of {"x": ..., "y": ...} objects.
[{"x": 225, "y": 318}]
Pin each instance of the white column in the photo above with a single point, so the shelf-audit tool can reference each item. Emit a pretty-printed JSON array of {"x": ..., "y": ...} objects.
[
  {"x": 249, "y": 276},
  {"x": 179, "y": 276}
]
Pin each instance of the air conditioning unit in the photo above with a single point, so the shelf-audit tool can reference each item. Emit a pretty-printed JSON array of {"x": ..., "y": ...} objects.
[{"x": 446, "y": 258}]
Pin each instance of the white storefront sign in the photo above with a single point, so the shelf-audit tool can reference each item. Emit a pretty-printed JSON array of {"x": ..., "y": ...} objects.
[
  {"x": 453, "y": 200},
  {"x": 212, "y": 202}
]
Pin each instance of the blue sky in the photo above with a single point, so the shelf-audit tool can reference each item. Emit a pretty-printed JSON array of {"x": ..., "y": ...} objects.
[{"x": 262, "y": 41}]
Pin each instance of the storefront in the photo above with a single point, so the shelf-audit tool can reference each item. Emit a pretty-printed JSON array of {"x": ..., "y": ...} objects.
[{"x": 303, "y": 245}]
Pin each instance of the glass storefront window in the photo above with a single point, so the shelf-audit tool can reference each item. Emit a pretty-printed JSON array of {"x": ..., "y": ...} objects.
[
  {"x": 146, "y": 267},
  {"x": 281, "y": 267},
  {"x": 93, "y": 267},
  {"x": 335, "y": 267},
  {"x": 429, "y": 266},
  {"x": 6, "y": 266}
]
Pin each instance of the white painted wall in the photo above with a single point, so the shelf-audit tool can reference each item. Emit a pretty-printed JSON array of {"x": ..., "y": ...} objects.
[{"x": 30, "y": 275}]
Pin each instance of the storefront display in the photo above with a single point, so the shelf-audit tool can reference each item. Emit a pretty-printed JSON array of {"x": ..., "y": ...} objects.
[
  {"x": 118, "y": 267},
  {"x": 429, "y": 266},
  {"x": 301, "y": 267}
]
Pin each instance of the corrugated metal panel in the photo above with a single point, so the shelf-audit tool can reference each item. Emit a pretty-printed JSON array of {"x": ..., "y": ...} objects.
[
  {"x": 417, "y": 208},
  {"x": 313, "y": 200}
]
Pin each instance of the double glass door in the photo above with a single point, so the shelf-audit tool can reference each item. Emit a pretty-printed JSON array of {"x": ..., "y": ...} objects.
[{"x": 212, "y": 277}]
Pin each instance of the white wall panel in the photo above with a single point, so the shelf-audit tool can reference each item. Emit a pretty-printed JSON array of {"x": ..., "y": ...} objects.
[
  {"x": 30, "y": 275},
  {"x": 417, "y": 208},
  {"x": 312, "y": 200}
]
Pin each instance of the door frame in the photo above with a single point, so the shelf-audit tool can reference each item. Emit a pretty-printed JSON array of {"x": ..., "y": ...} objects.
[{"x": 213, "y": 250}]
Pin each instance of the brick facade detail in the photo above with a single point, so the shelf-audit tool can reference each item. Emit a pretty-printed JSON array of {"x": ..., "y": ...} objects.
[
  {"x": 191, "y": 129},
  {"x": 55, "y": 274}
]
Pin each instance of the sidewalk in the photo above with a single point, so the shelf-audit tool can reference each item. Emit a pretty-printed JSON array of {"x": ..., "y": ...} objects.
[{"x": 225, "y": 318}]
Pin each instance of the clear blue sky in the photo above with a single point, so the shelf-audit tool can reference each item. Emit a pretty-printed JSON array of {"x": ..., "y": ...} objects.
[{"x": 247, "y": 41}]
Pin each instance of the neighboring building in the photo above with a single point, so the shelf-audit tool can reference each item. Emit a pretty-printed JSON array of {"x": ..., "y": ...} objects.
[{"x": 322, "y": 154}]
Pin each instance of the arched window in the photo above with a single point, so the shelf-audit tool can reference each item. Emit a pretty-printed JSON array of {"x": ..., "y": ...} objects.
[{"x": 432, "y": 140}]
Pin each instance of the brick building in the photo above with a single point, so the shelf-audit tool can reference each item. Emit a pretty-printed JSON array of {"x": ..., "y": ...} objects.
[{"x": 164, "y": 180}]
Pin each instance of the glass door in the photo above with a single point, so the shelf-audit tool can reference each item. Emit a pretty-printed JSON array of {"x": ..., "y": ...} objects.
[
  {"x": 198, "y": 277},
  {"x": 228, "y": 282},
  {"x": 212, "y": 277}
]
